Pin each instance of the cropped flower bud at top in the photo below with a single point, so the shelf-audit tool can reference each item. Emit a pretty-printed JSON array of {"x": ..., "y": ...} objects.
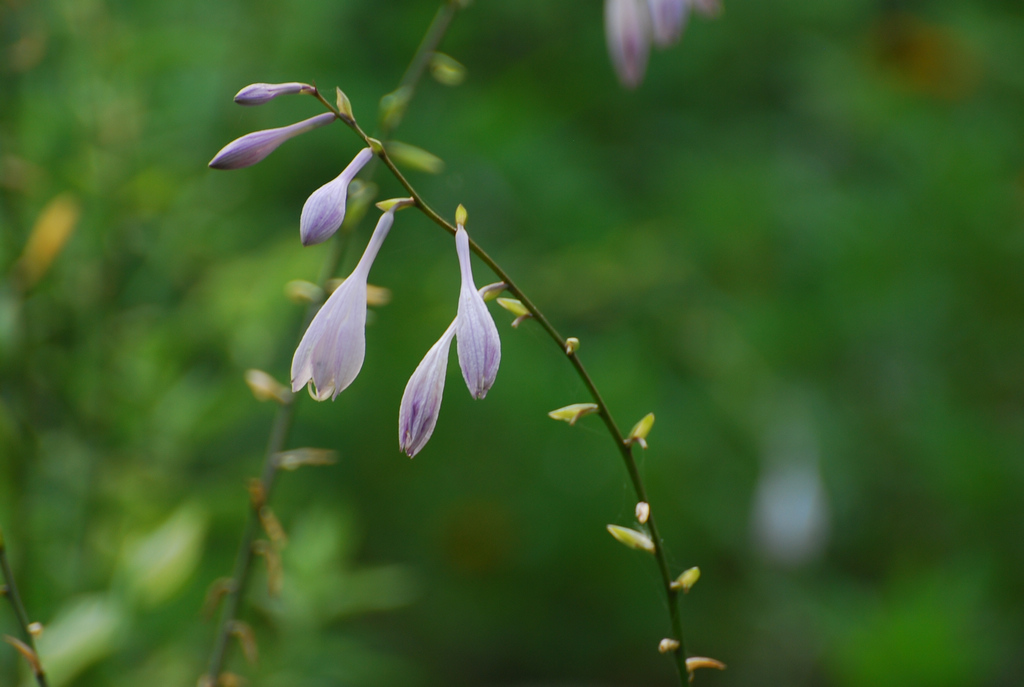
[
  {"x": 421, "y": 402},
  {"x": 668, "y": 17},
  {"x": 251, "y": 148},
  {"x": 628, "y": 31},
  {"x": 324, "y": 210},
  {"x": 259, "y": 93},
  {"x": 478, "y": 344},
  {"x": 331, "y": 352}
]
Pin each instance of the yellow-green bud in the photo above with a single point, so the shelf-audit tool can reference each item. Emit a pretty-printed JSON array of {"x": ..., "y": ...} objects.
[
  {"x": 632, "y": 538},
  {"x": 302, "y": 291},
  {"x": 638, "y": 435},
  {"x": 514, "y": 306},
  {"x": 265, "y": 388},
  {"x": 296, "y": 458},
  {"x": 447, "y": 70},
  {"x": 461, "y": 216},
  {"x": 344, "y": 106},
  {"x": 685, "y": 581},
  {"x": 572, "y": 344},
  {"x": 413, "y": 157},
  {"x": 572, "y": 413},
  {"x": 398, "y": 203}
]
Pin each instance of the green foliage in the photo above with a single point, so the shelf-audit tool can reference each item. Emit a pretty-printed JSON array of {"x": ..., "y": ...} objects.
[{"x": 800, "y": 242}]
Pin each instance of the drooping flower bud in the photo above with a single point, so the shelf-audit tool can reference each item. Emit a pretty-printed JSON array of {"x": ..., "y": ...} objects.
[
  {"x": 479, "y": 346},
  {"x": 421, "y": 402},
  {"x": 324, "y": 210},
  {"x": 259, "y": 93},
  {"x": 668, "y": 18},
  {"x": 251, "y": 148},
  {"x": 331, "y": 352},
  {"x": 572, "y": 413},
  {"x": 628, "y": 31},
  {"x": 632, "y": 538}
]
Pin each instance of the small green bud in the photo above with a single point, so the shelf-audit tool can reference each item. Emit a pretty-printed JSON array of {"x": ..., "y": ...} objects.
[
  {"x": 638, "y": 435},
  {"x": 299, "y": 457},
  {"x": 392, "y": 107},
  {"x": 397, "y": 203},
  {"x": 344, "y": 107},
  {"x": 461, "y": 216},
  {"x": 412, "y": 157},
  {"x": 574, "y": 412},
  {"x": 491, "y": 291},
  {"x": 685, "y": 581},
  {"x": 632, "y": 538},
  {"x": 446, "y": 69},
  {"x": 572, "y": 344},
  {"x": 514, "y": 306}
]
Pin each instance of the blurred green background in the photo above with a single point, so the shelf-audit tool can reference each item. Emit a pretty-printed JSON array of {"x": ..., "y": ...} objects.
[{"x": 800, "y": 243}]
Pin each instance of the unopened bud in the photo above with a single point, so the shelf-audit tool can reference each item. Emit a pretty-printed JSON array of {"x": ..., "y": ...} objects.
[
  {"x": 35, "y": 630},
  {"x": 514, "y": 306},
  {"x": 259, "y": 93},
  {"x": 275, "y": 572},
  {"x": 632, "y": 538},
  {"x": 272, "y": 526},
  {"x": 377, "y": 296},
  {"x": 643, "y": 511},
  {"x": 491, "y": 291},
  {"x": 246, "y": 638},
  {"x": 572, "y": 344},
  {"x": 251, "y": 148},
  {"x": 695, "y": 662},
  {"x": 392, "y": 107},
  {"x": 266, "y": 388},
  {"x": 668, "y": 645},
  {"x": 299, "y": 457},
  {"x": 447, "y": 70},
  {"x": 302, "y": 291},
  {"x": 572, "y": 413},
  {"x": 461, "y": 216},
  {"x": 638, "y": 435},
  {"x": 414, "y": 157},
  {"x": 397, "y": 203},
  {"x": 685, "y": 581},
  {"x": 341, "y": 101}
]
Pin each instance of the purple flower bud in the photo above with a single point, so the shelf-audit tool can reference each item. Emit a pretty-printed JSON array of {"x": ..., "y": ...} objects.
[
  {"x": 668, "y": 17},
  {"x": 259, "y": 93},
  {"x": 421, "y": 401},
  {"x": 478, "y": 344},
  {"x": 251, "y": 148},
  {"x": 324, "y": 210},
  {"x": 331, "y": 352},
  {"x": 627, "y": 28}
]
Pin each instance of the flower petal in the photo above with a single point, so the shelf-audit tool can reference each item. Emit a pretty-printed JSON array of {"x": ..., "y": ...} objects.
[
  {"x": 332, "y": 350},
  {"x": 421, "y": 402},
  {"x": 628, "y": 31},
  {"x": 324, "y": 210},
  {"x": 259, "y": 93},
  {"x": 668, "y": 17},
  {"x": 251, "y": 148},
  {"x": 479, "y": 346}
]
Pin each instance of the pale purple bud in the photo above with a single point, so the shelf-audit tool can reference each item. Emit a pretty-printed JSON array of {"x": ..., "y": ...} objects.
[
  {"x": 709, "y": 8},
  {"x": 251, "y": 148},
  {"x": 628, "y": 30},
  {"x": 668, "y": 17},
  {"x": 324, "y": 210},
  {"x": 331, "y": 352},
  {"x": 478, "y": 344},
  {"x": 421, "y": 401},
  {"x": 259, "y": 93}
]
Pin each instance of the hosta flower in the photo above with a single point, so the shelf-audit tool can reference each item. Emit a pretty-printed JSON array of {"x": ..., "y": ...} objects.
[
  {"x": 421, "y": 401},
  {"x": 479, "y": 351},
  {"x": 628, "y": 30},
  {"x": 668, "y": 17},
  {"x": 259, "y": 93},
  {"x": 475, "y": 332},
  {"x": 324, "y": 210},
  {"x": 331, "y": 352},
  {"x": 251, "y": 148}
]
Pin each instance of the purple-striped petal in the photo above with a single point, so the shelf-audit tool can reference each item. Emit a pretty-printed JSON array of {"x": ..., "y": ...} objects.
[
  {"x": 331, "y": 352},
  {"x": 668, "y": 17},
  {"x": 627, "y": 28},
  {"x": 421, "y": 402},
  {"x": 251, "y": 148},
  {"x": 324, "y": 210},
  {"x": 478, "y": 344}
]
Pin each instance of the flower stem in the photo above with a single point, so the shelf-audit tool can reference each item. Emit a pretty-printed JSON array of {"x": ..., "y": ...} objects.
[
  {"x": 10, "y": 590},
  {"x": 625, "y": 449}
]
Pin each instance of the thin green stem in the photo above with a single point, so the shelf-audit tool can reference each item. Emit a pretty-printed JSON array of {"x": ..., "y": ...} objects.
[
  {"x": 625, "y": 449},
  {"x": 10, "y": 590},
  {"x": 285, "y": 414}
]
